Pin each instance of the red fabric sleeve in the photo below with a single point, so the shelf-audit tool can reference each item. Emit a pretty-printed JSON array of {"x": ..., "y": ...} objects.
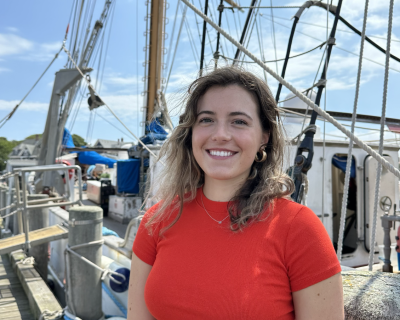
[
  {"x": 145, "y": 244},
  {"x": 309, "y": 255}
]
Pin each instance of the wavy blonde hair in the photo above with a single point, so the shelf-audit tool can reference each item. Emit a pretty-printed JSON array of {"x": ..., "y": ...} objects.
[{"x": 182, "y": 175}]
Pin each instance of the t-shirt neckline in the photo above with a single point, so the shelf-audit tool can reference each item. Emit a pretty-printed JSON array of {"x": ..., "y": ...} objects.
[{"x": 210, "y": 205}]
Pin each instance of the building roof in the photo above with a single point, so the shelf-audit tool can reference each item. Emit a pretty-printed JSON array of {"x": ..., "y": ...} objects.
[
  {"x": 102, "y": 143},
  {"x": 26, "y": 149}
]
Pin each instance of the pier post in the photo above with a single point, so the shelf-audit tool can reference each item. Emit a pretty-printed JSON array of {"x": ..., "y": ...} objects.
[
  {"x": 39, "y": 219},
  {"x": 83, "y": 280},
  {"x": 2, "y": 202},
  {"x": 9, "y": 200}
]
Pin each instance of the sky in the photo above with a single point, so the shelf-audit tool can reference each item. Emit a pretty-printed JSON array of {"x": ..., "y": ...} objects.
[{"x": 32, "y": 32}]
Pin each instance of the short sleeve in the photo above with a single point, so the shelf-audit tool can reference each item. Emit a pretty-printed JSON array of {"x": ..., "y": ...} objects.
[
  {"x": 145, "y": 243},
  {"x": 309, "y": 254}
]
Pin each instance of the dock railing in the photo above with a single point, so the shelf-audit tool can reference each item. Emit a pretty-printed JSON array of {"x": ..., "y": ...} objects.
[{"x": 22, "y": 206}]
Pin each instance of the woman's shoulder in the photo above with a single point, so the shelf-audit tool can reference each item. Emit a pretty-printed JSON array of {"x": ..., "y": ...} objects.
[
  {"x": 288, "y": 206},
  {"x": 289, "y": 210}
]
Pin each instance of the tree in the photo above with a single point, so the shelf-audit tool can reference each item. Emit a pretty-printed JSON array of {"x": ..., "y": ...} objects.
[
  {"x": 78, "y": 141},
  {"x": 33, "y": 136},
  {"x": 5, "y": 149}
]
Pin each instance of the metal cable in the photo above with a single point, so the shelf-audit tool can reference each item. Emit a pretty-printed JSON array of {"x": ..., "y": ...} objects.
[
  {"x": 379, "y": 169},
  {"x": 229, "y": 29},
  {"x": 340, "y": 48},
  {"x": 268, "y": 7},
  {"x": 172, "y": 34},
  {"x": 341, "y": 30},
  {"x": 176, "y": 47},
  {"x": 350, "y": 156},
  {"x": 137, "y": 68},
  {"x": 302, "y": 97},
  {"x": 324, "y": 136},
  {"x": 7, "y": 117},
  {"x": 254, "y": 16},
  {"x": 274, "y": 40},
  {"x": 261, "y": 46},
  {"x": 192, "y": 43},
  {"x": 291, "y": 57},
  {"x": 83, "y": 77}
]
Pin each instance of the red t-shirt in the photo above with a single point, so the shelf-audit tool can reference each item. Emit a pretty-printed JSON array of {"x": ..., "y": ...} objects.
[{"x": 203, "y": 270}]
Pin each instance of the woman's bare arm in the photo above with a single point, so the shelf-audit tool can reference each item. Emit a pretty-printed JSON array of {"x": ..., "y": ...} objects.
[
  {"x": 137, "y": 309},
  {"x": 323, "y": 300}
]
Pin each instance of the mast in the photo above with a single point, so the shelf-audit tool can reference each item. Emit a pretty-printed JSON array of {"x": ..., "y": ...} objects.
[{"x": 156, "y": 52}]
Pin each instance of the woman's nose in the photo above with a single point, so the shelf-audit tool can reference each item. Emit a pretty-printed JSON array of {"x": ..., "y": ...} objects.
[{"x": 221, "y": 133}]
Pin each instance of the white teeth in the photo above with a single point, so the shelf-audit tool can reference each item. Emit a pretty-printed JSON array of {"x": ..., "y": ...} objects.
[{"x": 220, "y": 153}]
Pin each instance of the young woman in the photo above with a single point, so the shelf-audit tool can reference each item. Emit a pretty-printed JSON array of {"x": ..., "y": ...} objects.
[{"x": 226, "y": 241}]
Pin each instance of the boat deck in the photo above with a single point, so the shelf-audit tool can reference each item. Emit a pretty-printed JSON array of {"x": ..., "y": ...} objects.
[{"x": 14, "y": 304}]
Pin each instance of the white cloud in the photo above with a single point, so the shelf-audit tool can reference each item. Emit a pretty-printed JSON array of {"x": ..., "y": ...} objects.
[
  {"x": 4, "y": 70},
  {"x": 11, "y": 44},
  {"x": 28, "y": 106},
  {"x": 122, "y": 81},
  {"x": 12, "y": 29},
  {"x": 126, "y": 107}
]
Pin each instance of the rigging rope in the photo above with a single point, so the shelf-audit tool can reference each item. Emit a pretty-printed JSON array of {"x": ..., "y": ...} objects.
[
  {"x": 379, "y": 169},
  {"x": 342, "y": 30},
  {"x": 340, "y": 48},
  {"x": 83, "y": 76},
  {"x": 192, "y": 43},
  {"x": 261, "y": 46},
  {"x": 302, "y": 97},
  {"x": 295, "y": 56},
  {"x": 274, "y": 40},
  {"x": 324, "y": 136},
  {"x": 172, "y": 34},
  {"x": 176, "y": 47},
  {"x": 251, "y": 31},
  {"x": 350, "y": 156},
  {"x": 229, "y": 29},
  {"x": 8, "y": 117},
  {"x": 137, "y": 67}
]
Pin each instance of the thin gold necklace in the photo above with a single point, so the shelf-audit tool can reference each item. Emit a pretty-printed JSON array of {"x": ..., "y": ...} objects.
[{"x": 209, "y": 214}]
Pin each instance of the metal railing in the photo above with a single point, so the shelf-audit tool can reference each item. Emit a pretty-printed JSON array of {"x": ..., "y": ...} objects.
[{"x": 23, "y": 205}]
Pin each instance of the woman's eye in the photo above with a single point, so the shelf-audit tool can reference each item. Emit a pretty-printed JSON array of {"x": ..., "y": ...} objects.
[
  {"x": 205, "y": 120},
  {"x": 239, "y": 121}
]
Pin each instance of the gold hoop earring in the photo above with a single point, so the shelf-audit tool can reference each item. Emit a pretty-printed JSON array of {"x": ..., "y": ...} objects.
[
  {"x": 253, "y": 174},
  {"x": 264, "y": 156}
]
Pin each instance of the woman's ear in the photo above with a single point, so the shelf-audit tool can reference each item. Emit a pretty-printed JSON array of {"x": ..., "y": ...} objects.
[{"x": 265, "y": 138}]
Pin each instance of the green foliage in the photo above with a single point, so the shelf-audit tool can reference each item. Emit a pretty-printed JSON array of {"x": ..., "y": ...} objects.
[
  {"x": 78, "y": 141},
  {"x": 5, "y": 149},
  {"x": 105, "y": 175},
  {"x": 33, "y": 136}
]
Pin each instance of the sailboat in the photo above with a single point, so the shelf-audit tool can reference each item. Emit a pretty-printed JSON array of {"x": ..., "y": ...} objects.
[{"x": 311, "y": 155}]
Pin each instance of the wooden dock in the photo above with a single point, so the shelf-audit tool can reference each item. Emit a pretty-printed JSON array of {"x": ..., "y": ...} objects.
[
  {"x": 36, "y": 237},
  {"x": 14, "y": 304}
]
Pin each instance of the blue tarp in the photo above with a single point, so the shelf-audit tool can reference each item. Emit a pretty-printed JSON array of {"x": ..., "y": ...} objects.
[
  {"x": 92, "y": 157},
  {"x": 128, "y": 173},
  {"x": 155, "y": 127},
  {"x": 340, "y": 163},
  {"x": 151, "y": 137},
  {"x": 86, "y": 157},
  {"x": 67, "y": 139},
  {"x": 108, "y": 232}
]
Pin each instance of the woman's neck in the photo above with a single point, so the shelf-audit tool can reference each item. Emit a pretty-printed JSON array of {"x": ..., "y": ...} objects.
[{"x": 221, "y": 190}]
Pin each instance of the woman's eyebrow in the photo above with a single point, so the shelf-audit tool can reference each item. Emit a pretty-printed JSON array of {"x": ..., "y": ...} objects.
[
  {"x": 239, "y": 113},
  {"x": 231, "y": 114},
  {"x": 206, "y": 112}
]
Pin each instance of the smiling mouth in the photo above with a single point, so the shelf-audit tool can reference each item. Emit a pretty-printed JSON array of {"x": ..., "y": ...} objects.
[{"x": 217, "y": 153}]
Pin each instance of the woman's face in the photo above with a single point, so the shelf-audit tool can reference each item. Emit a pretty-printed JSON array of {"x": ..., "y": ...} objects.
[{"x": 227, "y": 133}]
